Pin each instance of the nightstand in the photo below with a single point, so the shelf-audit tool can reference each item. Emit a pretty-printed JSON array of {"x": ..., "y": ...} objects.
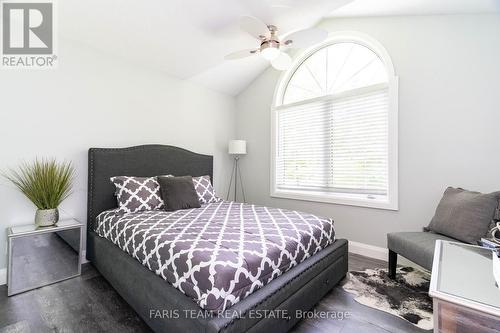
[
  {"x": 38, "y": 256},
  {"x": 465, "y": 295}
]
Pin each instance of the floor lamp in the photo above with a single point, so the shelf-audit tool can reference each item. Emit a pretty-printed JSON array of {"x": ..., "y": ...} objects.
[{"x": 237, "y": 148}]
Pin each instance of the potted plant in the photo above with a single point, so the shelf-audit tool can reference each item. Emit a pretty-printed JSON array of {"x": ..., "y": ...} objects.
[{"x": 46, "y": 183}]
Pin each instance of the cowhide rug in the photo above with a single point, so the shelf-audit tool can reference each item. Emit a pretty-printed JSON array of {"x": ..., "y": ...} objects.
[{"x": 406, "y": 296}]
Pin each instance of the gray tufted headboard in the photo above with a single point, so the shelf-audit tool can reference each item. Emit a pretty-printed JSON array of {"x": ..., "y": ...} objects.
[{"x": 141, "y": 161}]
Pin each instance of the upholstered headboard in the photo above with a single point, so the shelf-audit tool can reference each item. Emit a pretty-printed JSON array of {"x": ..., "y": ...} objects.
[{"x": 141, "y": 161}]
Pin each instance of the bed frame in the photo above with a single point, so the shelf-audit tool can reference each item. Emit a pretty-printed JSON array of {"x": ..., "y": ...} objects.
[{"x": 166, "y": 309}]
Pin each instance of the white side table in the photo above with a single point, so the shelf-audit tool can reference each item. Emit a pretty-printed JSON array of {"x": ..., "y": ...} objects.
[{"x": 38, "y": 256}]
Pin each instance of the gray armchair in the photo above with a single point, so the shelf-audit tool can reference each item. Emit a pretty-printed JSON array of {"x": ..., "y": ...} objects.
[{"x": 463, "y": 216}]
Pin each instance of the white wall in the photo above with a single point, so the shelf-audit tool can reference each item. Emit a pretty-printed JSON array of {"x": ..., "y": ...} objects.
[
  {"x": 449, "y": 116},
  {"x": 92, "y": 100}
]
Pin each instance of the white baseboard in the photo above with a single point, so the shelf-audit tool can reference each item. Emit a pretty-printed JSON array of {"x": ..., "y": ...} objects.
[
  {"x": 368, "y": 250},
  {"x": 379, "y": 253},
  {"x": 3, "y": 276}
]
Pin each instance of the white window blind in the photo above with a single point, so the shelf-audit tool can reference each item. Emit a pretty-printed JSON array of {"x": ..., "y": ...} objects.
[{"x": 337, "y": 143}]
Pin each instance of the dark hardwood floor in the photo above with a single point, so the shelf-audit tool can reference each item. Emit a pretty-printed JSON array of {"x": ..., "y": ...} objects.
[{"x": 89, "y": 304}]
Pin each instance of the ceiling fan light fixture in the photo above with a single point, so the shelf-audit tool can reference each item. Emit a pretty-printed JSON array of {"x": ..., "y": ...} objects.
[
  {"x": 283, "y": 62},
  {"x": 273, "y": 48},
  {"x": 270, "y": 49}
]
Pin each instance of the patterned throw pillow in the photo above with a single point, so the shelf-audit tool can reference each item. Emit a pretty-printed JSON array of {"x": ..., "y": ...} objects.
[
  {"x": 204, "y": 189},
  {"x": 136, "y": 194}
]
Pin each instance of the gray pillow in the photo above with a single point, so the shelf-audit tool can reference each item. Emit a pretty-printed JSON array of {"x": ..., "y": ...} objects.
[
  {"x": 178, "y": 193},
  {"x": 464, "y": 215}
]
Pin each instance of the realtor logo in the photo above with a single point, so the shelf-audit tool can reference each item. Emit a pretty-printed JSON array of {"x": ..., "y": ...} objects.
[{"x": 27, "y": 34}]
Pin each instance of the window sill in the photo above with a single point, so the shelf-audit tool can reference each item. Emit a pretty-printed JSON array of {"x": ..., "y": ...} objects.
[{"x": 337, "y": 198}]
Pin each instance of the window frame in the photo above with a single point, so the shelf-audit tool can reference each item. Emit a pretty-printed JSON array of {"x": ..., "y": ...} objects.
[{"x": 391, "y": 202}]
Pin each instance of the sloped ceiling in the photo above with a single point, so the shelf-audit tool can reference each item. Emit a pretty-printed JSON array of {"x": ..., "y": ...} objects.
[{"x": 188, "y": 39}]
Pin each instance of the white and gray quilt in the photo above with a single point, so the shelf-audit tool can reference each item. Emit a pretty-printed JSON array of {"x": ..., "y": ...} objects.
[{"x": 220, "y": 253}]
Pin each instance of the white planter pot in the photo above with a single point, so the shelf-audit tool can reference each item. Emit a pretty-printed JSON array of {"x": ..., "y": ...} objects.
[{"x": 46, "y": 217}]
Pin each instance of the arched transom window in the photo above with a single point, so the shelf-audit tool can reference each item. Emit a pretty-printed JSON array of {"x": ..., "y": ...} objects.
[{"x": 335, "y": 126}]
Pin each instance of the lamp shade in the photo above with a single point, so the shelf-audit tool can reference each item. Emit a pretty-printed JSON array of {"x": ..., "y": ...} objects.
[{"x": 237, "y": 147}]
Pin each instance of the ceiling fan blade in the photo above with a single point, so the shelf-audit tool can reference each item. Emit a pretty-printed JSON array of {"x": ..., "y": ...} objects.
[
  {"x": 282, "y": 62},
  {"x": 254, "y": 27},
  {"x": 280, "y": 6},
  {"x": 240, "y": 54},
  {"x": 305, "y": 38}
]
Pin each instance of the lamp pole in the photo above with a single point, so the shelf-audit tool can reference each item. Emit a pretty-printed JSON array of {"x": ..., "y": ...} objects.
[
  {"x": 236, "y": 160},
  {"x": 235, "y": 174}
]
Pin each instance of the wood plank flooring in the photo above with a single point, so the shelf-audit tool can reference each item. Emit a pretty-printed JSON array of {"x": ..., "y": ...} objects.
[{"x": 89, "y": 304}]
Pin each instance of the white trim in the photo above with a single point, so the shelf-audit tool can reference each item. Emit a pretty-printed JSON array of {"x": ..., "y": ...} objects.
[
  {"x": 393, "y": 159},
  {"x": 392, "y": 201},
  {"x": 3, "y": 276},
  {"x": 380, "y": 253},
  {"x": 368, "y": 250},
  {"x": 334, "y": 198},
  {"x": 337, "y": 96},
  {"x": 334, "y": 38}
]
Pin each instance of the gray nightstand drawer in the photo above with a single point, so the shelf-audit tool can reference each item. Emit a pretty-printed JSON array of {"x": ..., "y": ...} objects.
[{"x": 41, "y": 256}]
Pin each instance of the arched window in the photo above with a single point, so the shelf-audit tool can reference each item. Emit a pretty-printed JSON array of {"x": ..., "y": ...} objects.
[{"x": 335, "y": 125}]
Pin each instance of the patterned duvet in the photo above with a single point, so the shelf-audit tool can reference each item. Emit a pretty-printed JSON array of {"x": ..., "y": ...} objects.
[{"x": 220, "y": 253}]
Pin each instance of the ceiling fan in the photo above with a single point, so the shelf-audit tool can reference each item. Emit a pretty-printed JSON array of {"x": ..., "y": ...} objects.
[{"x": 271, "y": 47}]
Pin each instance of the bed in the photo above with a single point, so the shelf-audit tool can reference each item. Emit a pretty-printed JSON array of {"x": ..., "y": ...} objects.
[{"x": 301, "y": 272}]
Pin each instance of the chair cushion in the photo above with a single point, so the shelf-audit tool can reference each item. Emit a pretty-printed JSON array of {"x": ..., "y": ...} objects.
[
  {"x": 415, "y": 246},
  {"x": 464, "y": 215}
]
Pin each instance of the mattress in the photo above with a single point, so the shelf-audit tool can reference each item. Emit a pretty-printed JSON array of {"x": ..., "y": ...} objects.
[{"x": 220, "y": 253}]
